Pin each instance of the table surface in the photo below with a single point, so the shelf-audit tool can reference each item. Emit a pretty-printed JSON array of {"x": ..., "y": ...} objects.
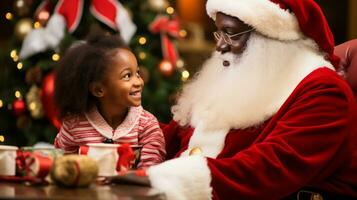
[{"x": 125, "y": 192}]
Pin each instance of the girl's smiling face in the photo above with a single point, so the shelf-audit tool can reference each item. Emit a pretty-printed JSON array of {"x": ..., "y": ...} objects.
[{"x": 122, "y": 84}]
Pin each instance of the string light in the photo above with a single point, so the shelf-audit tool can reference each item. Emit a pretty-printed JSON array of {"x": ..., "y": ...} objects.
[
  {"x": 180, "y": 63},
  {"x": 19, "y": 65},
  {"x": 170, "y": 10},
  {"x": 37, "y": 25},
  {"x": 142, "y": 55},
  {"x": 16, "y": 58},
  {"x": 185, "y": 75},
  {"x": 183, "y": 33},
  {"x": 8, "y": 16},
  {"x": 17, "y": 94},
  {"x": 1, "y": 103},
  {"x": 13, "y": 53},
  {"x": 32, "y": 106},
  {"x": 2, "y": 138},
  {"x": 56, "y": 57},
  {"x": 142, "y": 40}
]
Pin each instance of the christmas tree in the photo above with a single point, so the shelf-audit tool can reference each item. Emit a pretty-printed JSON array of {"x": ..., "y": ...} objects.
[{"x": 40, "y": 38}]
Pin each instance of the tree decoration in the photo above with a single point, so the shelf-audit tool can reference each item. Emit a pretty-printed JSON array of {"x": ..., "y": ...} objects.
[
  {"x": 18, "y": 107},
  {"x": 33, "y": 101},
  {"x": 67, "y": 15},
  {"x": 47, "y": 96},
  {"x": 166, "y": 68},
  {"x": 23, "y": 27},
  {"x": 167, "y": 27},
  {"x": 158, "y": 5},
  {"x": 21, "y": 7},
  {"x": 43, "y": 11}
]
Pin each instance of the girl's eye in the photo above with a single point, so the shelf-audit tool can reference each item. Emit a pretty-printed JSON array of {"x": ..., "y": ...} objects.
[
  {"x": 127, "y": 76},
  {"x": 138, "y": 74}
]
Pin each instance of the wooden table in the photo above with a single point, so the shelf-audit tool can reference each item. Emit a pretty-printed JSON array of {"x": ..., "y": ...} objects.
[{"x": 125, "y": 192}]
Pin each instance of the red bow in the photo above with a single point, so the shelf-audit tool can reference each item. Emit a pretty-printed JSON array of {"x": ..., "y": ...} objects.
[
  {"x": 126, "y": 155},
  {"x": 25, "y": 162},
  {"x": 104, "y": 10},
  {"x": 165, "y": 26}
]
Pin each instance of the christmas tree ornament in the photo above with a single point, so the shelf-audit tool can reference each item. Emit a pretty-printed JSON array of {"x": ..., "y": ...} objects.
[
  {"x": 74, "y": 171},
  {"x": 22, "y": 28},
  {"x": 166, "y": 68},
  {"x": 47, "y": 95},
  {"x": 167, "y": 27},
  {"x": 21, "y": 7},
  {"x": 18, "y": 107},
  {"x": 68, "y": 14},
  {"x": 33, "y": 101},
  {"x": 43, "y": 11},
  {"x": 158, "y": 5},
  {"x": 33, "y": 76}
]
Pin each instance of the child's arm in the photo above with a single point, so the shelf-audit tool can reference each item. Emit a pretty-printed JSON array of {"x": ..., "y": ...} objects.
[
  {"x": 64, "y": 139},
  {"x": 153, "y": 142}
]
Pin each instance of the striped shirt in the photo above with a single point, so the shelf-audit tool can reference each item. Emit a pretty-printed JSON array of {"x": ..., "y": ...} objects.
[{"x": 138, "y": 128}]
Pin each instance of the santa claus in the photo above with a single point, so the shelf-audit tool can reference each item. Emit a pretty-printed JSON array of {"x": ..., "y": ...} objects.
[{"x": 267, "y": 117}]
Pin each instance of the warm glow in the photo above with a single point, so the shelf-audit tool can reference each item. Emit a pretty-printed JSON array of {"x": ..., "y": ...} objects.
[
  {"x": 8, "y": 16},
  {"x": 37, "y": 25},
  {"x": 19, "y": 65},
  {"x": 180, "y": 63},
  {"x": 43, "y": 15},
  {"x": 170, "y": 10},
  {"x": 183, "y": 33},
  {"x": 13, "y": 53},
  {"x": 185, "y": 75},
  {"x": 2, "y": 138},
  {"x": 142, "y": 40},
  {"x": 55, "y": 57},
  {"x": 16, "y": 58},
  {"x": 1, "y": 104},
  {"x": 17, "y": 94},
  {"x": 142, "y": 55},
  {"x": 32, "y": 106}
]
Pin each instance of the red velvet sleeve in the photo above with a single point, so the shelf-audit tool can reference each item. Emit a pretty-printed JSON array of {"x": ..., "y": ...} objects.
[
  {"x": 171, "y": 138},
  {"x": 303, "y": 145}
]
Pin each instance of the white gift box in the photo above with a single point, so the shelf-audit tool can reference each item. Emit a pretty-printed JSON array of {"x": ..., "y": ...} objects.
[
  {"x": 8, "y": 160},
  {"x": 107, "y": 156}
]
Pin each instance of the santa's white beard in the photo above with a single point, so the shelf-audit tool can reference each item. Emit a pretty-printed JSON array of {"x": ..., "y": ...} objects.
[{"x": 251, "y": 89}]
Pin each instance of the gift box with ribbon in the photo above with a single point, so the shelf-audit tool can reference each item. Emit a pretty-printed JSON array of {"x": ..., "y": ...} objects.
[
  {"x": 36, "y": 161},
  {"x": 7, "y": 160},
  {"x": 112, "y": 158}
]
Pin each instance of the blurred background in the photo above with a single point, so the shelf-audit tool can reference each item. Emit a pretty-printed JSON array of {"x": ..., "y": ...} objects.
[{"x": 172, "y": 40}]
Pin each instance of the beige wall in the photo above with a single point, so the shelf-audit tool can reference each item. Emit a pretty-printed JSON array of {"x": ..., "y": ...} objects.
[{"x": 352, "y": 26}]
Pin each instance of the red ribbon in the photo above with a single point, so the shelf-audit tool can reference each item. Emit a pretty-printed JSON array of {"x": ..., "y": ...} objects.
[
  {"x": 165, "y": 26},
  {"x": 104, "y": 10},
  {"x": 24, "y": 161},
  {"x": 126, "y": 155}
]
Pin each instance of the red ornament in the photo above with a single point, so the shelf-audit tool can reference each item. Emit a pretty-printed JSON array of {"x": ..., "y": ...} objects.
[
  {"x": 18, "y": 107},
  {"x": 47, "y": 98},
  {"x": 166, "y": 68}
]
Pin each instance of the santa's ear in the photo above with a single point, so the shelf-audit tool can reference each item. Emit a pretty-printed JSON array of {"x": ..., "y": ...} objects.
[{"x": 96, "y": 89}]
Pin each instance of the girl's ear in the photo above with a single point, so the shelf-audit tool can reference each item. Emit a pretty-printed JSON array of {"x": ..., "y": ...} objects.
[{"x": 96, "y": 89}]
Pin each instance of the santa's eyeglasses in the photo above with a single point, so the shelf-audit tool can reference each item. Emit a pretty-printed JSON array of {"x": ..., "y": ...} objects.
[{"x": 228, "y": 37}]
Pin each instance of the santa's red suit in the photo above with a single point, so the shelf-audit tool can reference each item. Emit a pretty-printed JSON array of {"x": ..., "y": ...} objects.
[{"x": 278, "y": 120}]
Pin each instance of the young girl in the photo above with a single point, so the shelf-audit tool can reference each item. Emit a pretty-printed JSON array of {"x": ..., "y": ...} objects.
[{"x": 98, "y": 95}]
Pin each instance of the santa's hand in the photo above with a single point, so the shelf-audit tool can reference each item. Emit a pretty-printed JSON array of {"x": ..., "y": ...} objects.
[{"x": 132, "y": 177}]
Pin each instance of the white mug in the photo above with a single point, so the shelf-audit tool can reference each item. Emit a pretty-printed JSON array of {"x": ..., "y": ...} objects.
[{"x": 8, "y": 160}]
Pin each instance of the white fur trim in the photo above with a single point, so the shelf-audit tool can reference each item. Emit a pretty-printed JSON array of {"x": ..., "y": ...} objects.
[
  {"x": 124, "y": 23},
  {"x": 39, "y": 40},
  {"x": 182, "y": 178},
  {"x": 211, "y": 143},
  {"x": 265, "y": 16}
]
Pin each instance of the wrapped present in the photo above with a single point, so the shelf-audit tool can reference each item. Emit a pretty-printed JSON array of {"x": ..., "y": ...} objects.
[
  {"x": 7, "y": 160},
  {"x": 112, "y": 158},
  {"x": 74, "y": 170},
  {"x": 36, "y": 162}
]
